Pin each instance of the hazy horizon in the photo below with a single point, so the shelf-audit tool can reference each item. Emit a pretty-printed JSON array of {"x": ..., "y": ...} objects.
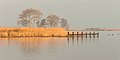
[{"x": 80, "y": 13}]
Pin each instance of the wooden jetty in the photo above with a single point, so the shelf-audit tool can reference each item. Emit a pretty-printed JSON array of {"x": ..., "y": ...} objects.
[{"x": 82, "y": 33}]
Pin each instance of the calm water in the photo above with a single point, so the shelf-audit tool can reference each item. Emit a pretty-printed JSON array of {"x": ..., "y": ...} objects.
[{"x": 106, "y": 47}]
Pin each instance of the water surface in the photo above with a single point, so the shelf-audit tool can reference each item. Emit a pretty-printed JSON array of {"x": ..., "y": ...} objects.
[{"x": 104, "y": 47}]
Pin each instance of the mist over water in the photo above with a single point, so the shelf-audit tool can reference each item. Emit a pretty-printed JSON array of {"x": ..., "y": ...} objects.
[{"x": 104, "y": 47}]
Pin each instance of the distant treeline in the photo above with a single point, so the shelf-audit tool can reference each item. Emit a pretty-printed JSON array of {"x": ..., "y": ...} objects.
[
  {"x": 94, "y": 29},
  {"x": 102, "y": 29}
]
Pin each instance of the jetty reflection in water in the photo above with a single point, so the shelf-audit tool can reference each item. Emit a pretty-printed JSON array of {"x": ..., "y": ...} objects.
[
  {"x": 39, "y": 48},
  {"x": 76, "y": 41}
]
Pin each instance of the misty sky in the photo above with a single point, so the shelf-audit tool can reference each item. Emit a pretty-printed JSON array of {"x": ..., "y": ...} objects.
[{"x": 80, "y": 13}]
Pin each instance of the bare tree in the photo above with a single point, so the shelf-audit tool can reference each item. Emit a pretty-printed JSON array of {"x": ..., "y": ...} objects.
[
  {"x": 24, "y": 23},
  {"x": 31, "y": 15},
  {"x": 42, "y": 23},
  {"x": 38, "y": 24},
  {"x": 52, "y": 20},
  {"x": 64, "y": 23}
]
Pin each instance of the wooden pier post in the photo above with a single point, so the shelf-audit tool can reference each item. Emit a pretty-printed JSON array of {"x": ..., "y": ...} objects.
[
  {"x": 90, "y": 34},
  {"x": 77, "y": 34},
  {"x": 81, "y": 33},
  {"x": 72, "y": 34},
  {"x": 73, "y": 37},
  {"x": 68, "y": 34},
  {"x": 86, "y": 34},
  {"x": 97, "y": 34},
  {"x": 94, "y": 34}
]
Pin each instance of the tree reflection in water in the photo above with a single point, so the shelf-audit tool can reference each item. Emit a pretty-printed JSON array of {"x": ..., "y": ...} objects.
[{"x": 32, "y": 48}]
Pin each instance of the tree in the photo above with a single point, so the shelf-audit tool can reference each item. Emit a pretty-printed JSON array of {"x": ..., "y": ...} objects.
[
  {"x": 52, "y": 20},
  {"x": 64, "y": 23},
  {"x": 29, "y": 17},
  {"x": 24, "y": 23},
  {"x": 38, "y": 24},
  {"x": 42, "y": 23}
]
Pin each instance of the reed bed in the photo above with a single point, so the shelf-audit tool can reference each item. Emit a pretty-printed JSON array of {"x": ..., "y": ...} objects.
[{"x": 32, "y": 32}]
